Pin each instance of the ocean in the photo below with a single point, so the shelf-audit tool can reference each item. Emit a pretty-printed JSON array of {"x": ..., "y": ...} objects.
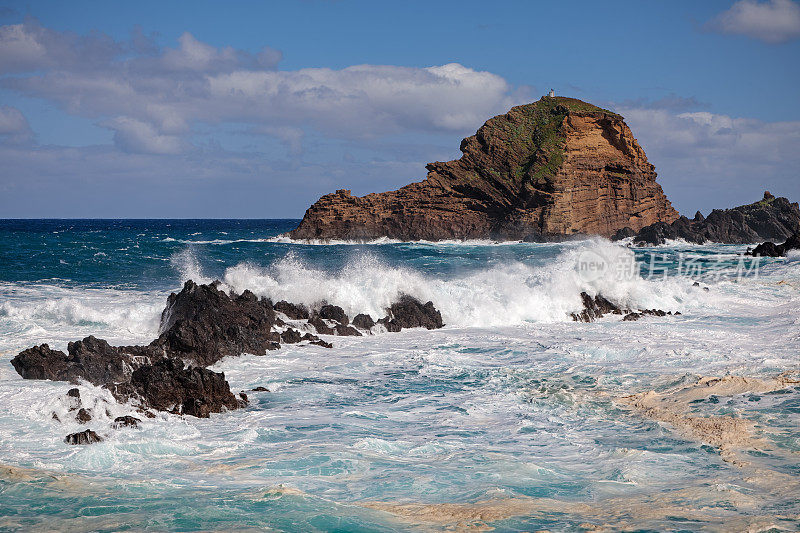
[{"x": 513, "y": 417}]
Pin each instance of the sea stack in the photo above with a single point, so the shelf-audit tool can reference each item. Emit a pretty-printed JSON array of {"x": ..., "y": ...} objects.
[{"x": 548, "y": 170}]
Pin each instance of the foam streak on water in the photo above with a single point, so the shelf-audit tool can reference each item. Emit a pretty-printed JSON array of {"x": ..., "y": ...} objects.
[{"x": 508, "y": 417}]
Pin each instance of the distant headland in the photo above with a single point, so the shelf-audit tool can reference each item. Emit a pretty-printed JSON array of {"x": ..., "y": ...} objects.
[{"x": 554, "y": 169}]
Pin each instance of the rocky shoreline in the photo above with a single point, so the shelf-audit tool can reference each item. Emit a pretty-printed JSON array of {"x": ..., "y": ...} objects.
[
  {"x": 203, "y": 324},
  {"x": 200, "y": 325},
  {"x": 769, "y": 219}
]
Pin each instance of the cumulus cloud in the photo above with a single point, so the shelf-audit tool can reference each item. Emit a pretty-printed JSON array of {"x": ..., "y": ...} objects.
[
  {"x": 699, "y": 154},
  {"x": 135, "y": 136},
  {"x": 773, "y": 21},
  {"x": 14, "y": 126},
  {"x": 151, "y": 96}
]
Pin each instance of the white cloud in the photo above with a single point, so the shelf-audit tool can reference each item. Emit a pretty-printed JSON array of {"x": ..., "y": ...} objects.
[
  {"x": 773, "y": 21},
  {"x": 131, "y": 135},
  {"x": 14, "y": 126},
  {"x": 702, "y": 155},
  {"x": 176, "y": 90}
]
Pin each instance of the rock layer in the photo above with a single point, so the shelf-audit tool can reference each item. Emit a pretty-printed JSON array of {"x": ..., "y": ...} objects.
[{"x": 546, "y": 170}]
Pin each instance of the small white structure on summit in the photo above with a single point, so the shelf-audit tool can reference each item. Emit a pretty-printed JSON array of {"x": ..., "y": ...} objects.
[{"x": 551, "y": 94}]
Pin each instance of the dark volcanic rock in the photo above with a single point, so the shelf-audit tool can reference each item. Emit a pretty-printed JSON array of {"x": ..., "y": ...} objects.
[
  {"x": 542, "y": 171},
  {"x": 91, "y": 359},
  {"x": 334, "y": 312},
  {"x": 408, "y": 312},
  {"x": 624, "y": 233},
  {"x": 320, "y": 325},
  {"x": 316, "y": 340},
  {"x": 295, "y": 312},
  {"x": 203, "y": 324},
  {"x": 83, "y": 416},
  {"x": 84, "y": 437},
  {"x": 126, "y": 421},
  {"x": 594, "y": 308},
  {"x": 770, "y": 249},
  {"x": 769, "y": 219},
  {"x": 168, "y": 386},
  {"x": 363, "y": 321},
  {"x": 291, "y": 336},
  {"x": 73, "y": 393},
  {"x": 347, "y": 331}
]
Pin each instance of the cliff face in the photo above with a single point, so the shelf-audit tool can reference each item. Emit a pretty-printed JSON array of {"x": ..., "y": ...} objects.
[{"x": 546, "y": 170}]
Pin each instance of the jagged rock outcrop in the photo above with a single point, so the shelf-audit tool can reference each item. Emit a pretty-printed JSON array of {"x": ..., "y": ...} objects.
[
  {"x": 542, "y": 171},
  {"x": 168, "y": 386},
  {"x": 408, "y": 312},
  {"x": 83, "y": 437},
  {"x": 200, "y": 325},
  {"x": 768, "y": 219},
  {"x": 597, "y": 307},
  {"x": 90, "y": 359},
  {"x": 770, "y": 249},
  {"x": 204, "y": 324}
]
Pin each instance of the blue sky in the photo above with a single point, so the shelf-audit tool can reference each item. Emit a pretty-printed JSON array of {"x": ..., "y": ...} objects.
[{"x": 255, "y": 109}]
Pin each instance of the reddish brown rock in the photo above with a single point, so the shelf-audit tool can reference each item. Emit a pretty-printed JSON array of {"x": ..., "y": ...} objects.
[{"x": 546, "y": 170}]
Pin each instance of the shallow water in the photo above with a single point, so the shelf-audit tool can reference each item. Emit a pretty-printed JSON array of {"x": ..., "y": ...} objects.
[{"x": 508, "y": 418}]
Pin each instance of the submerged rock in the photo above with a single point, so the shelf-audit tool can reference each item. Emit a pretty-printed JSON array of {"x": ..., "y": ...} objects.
[
  {"x": 83, "y": 437},
  {"x": 83, "y": 416},
  {"x": 126, "y": 421},
  {"x": 594, "y": 308}
]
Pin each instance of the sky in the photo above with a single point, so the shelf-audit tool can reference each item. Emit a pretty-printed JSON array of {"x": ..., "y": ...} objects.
[{"x": 254, "y": 109}]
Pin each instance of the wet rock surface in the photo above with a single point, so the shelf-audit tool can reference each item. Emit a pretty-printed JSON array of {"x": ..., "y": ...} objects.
[
  {"x": 126, "y": 421},
  {"x": 90, "y": 359},
  {"x": 83, "y": 437},
  {"x": 169, "y": 386},
  {"x": 204, "y": 324},
  {"x": 770, "y": 249},
  {"x": 199, "y": 326},
  {"x": 772, "y": 219},
  {"x": 363, "y": 321},
  {"x": 408, "y": 312},
  {"x": 598, "y": 306},
  {"x": 295, "y": 312}
]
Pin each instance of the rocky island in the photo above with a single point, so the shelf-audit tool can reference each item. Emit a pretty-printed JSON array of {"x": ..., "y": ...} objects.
[{"x": 548, "y": 170}]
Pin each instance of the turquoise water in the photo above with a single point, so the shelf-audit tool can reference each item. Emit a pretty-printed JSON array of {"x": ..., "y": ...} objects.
[{"x": 509, "y": 418}]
